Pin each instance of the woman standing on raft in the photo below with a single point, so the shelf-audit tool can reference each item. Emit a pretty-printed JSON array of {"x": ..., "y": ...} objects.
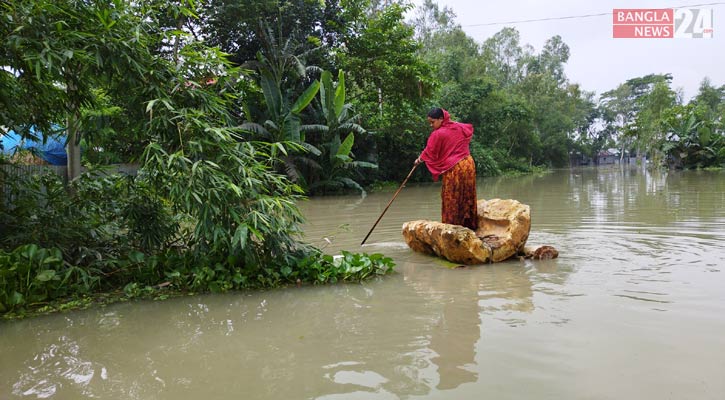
[{"x": 447, "y": 154}]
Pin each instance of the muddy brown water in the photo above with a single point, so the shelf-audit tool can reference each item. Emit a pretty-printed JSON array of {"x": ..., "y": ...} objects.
[{"x": 634, "y": 308}]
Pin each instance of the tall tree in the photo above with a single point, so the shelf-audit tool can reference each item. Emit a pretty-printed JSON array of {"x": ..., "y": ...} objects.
[
  {"x": 504, "y": 56},
  {"x": 553, "y": 57},
  {"x": 713, "y": 98},
  {"x": 238, "y": 27},
  {"x": 647, "y": 127},
  {"x": 60, "y": 51},
  {"x": 380, "y": 55},
  {"x": 431, "y": 20},
  {"x": 388, "y": 83},
  {"x": 621, "y": 106}
]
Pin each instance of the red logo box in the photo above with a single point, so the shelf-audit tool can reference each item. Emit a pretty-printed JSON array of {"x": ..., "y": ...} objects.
[{"x": 643, "y": 23}]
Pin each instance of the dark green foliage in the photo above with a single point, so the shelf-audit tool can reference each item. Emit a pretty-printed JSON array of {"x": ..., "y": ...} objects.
[
  {"x": 242, "y": 213},
  {"x": 524, "y": 111},
  {"x": 380, "y": 56},
  {"x": 110, "y": 134},
  {"x": 61, "y": 52},
  {"x": 388, "y": 83},
  {"x": 116, "y": 235},
  {"x": 37, "y": 279},
  {"x": 486, "y": 164},
  {"x": 397, "y": 145},
  {"x": 317, "y": 156},
  {"x": 646, "y": 117},
  {"x": 234, "y": 25},
  {"x": 147, "y": 218}
]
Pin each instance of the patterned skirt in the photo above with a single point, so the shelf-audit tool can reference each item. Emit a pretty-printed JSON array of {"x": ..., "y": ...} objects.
[{"x": 458, "y": 195}]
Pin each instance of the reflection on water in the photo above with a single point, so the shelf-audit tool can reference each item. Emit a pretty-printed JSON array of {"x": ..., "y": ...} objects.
[
  {"x": 57, "y": 361},
  {"x": 633, "y": 308}
]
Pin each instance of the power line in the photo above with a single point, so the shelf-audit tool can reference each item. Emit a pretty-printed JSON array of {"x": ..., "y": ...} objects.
[
  {"x": 537, "y": 20},
  {"x": 576, "y": 16}
]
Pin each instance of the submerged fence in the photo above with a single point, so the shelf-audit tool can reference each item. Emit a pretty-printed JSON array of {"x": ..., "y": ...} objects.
[
  {"x": 10, "y": 173},
  {"x": 13, "y": 172}
]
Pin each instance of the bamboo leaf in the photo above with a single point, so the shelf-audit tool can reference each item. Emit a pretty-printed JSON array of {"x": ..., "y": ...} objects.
[
  {"x": 240, "y": 235},
  {"x": 281, "y": 148}
]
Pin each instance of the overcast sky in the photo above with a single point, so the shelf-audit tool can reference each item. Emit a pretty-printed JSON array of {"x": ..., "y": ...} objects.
[{"x": 597, "y": 61}]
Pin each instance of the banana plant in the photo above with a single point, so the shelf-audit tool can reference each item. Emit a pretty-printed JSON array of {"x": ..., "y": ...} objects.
[
  {"x": 691, "y": 143},
  {"x": 337, "y": 160},
  {"x": 284, "y": 126},
  {"x": 280, "y": 64}
]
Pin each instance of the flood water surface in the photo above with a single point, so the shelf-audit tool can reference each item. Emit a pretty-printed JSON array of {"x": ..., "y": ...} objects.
[{"x": 633, "y": 308}]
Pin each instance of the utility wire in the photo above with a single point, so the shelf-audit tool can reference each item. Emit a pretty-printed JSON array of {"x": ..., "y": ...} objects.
[{"x": 576, "y": 16}]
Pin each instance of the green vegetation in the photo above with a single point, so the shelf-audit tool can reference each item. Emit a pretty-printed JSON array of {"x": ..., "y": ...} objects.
[
  {"x": 236, "y": 109},
  {"x": 36, "y": 280},
  {"x": 208, "y": 209}
]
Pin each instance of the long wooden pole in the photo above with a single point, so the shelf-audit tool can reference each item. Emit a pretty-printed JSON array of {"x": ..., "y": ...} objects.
[{"x": 391, "y": 202}]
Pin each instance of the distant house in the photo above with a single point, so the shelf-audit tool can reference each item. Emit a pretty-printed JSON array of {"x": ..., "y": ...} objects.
[
  {"x": 607, "y": 157},
  {"x": 577, "y": 159},
  {"x": 604, "y": 157}
]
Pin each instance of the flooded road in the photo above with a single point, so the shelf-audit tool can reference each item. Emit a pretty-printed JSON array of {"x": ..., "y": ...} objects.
[{"x": 633, "y": 308}]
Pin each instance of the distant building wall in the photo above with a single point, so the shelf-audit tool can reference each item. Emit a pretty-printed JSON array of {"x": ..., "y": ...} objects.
[{"x": 579, "y": 160}]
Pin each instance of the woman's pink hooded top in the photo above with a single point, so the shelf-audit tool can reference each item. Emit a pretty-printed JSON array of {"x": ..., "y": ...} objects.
[{"x": 447, "y": 145}]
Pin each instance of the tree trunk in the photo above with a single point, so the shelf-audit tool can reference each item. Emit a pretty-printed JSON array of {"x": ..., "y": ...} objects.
[
  {"x": 73, "y": 144},
  {"x": 639, "y": 156},
  {"x": 380, "y": 101}
]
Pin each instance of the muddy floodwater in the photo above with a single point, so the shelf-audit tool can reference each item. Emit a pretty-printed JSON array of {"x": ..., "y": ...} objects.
[{"x": 634, "y": 308}]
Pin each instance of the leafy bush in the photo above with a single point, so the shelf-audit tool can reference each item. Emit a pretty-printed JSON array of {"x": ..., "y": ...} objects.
[{"x": 30, "y": 274}]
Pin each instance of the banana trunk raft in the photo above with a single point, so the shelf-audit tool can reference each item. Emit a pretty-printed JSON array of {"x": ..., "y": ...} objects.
[{"x": 503, "y": 228}]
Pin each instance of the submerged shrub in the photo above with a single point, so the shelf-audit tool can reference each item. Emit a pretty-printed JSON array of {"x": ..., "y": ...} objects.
[{"x": 96, "y": 218}]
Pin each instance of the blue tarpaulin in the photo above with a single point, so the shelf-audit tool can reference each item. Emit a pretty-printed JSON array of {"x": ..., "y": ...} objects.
[{"x": 52, "y": 151}]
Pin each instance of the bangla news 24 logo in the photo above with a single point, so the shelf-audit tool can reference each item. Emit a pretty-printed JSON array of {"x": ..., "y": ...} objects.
[{"x": 660, "y": 23}]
